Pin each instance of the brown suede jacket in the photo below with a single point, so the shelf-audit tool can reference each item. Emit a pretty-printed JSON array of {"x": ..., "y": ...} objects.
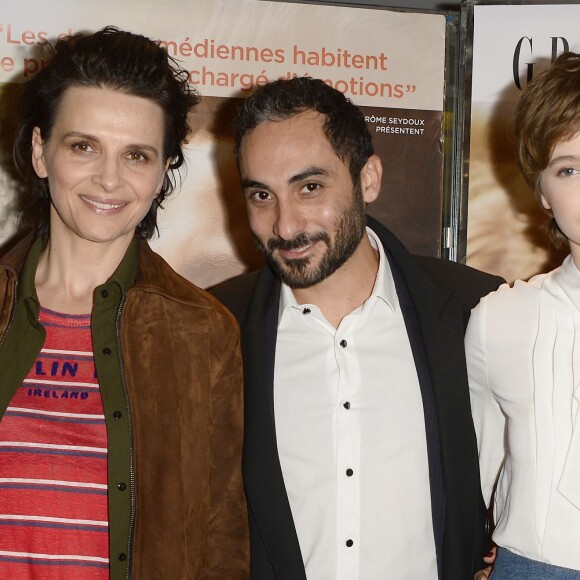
[{"x": 170, "y": 374}]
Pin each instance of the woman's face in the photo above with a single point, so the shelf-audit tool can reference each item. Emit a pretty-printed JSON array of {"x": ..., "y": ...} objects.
[
  {"x": 104, "y": 163},
  {"x": 560, "y": 187}
]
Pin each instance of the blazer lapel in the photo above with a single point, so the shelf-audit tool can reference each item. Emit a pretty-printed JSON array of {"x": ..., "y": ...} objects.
[
  {"x": 436, "y": 486},
  {"x": 443, "y": 338},
  {"x": 262, "y": 471},
  {"x": 441, "y": 332}
]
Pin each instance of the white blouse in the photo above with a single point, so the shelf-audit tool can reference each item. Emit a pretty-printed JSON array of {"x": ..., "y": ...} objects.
[{"x": 523, "y": 357}]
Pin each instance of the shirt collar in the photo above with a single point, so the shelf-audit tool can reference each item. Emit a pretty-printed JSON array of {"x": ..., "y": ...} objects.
[
  {"x": 383, "y": 289},
  {"x": 124, "y": 276},
  {"x": 567, "y": 280},
  {"x": 126, "y": 273},
  {"x": 26, "y": 278}
]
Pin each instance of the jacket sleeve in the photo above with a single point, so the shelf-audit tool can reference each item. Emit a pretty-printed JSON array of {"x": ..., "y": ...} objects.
[{"x": 227, "y": 549}]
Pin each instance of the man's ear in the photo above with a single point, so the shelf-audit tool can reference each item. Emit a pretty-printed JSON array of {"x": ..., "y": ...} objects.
[
  {"x": 38, "y": 154},
  {"x": 370, "y": 178}
]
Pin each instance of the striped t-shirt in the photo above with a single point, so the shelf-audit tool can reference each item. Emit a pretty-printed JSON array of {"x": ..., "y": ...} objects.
[{"x": 53, "y": 463}]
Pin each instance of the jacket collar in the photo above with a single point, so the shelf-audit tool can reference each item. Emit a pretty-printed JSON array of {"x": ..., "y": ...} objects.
[
  {"x": 428, "y": 299},
  {"x": 22, "y": 260},
  {"x": 19, "y": 265},
  {"x": 27, "y": 267},
  {"x": 13, "y": 259},
  {"x": 156, "y": 276},
  {"x": 126, "y": 273},
  {"x": 139, "y": 269}
]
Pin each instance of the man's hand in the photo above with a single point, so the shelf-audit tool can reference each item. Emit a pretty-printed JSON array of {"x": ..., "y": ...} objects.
[{"x": 489, "y": 558}]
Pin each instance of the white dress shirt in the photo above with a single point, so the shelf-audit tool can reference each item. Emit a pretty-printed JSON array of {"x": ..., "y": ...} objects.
[
  {"x": 523, "y": 354},
  {"x": 351, "y": 438}
]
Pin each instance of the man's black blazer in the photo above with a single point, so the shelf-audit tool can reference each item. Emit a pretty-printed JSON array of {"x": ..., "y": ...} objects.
[{"x": 436, "y": 298}]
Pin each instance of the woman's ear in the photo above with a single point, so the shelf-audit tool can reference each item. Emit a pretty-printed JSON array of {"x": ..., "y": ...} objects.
[
  {"x": 545, "y": 204},
  {"x": 38, "y": 154},
  {"x": 540, "y": 194}
]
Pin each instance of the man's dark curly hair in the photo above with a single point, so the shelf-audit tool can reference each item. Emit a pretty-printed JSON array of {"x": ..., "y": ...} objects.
[{"x": 344, "y": 123}]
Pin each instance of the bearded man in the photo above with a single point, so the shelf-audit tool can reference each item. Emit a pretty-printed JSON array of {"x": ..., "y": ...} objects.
[{"x": 360, "y": 457}]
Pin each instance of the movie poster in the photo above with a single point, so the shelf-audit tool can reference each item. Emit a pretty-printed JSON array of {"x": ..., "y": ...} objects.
[
  {"x": 390, "y": 63},
  {"x": 510, "y": 44}
]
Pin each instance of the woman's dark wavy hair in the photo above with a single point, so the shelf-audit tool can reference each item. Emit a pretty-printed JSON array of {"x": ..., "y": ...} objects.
[
  {"x": 344, "y": 123},
  {"x": 113, "y": 59}
]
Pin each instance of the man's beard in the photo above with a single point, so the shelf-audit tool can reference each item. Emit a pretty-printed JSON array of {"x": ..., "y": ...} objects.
[{"x": 349, "y": 229}]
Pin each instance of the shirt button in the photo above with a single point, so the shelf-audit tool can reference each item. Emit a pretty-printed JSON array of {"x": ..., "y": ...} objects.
[
  {"x": 122, "y": 557},
  {"x": 346, "y": 405},
  {"x": 306, "y": 311},
  {"x": 349, "y": 472},
  {"x": 343, "y": 343},
  {"x": 107, "y": 351},
  {"x": 117, "y": 415},
  {"x": 121, "y": 486},
  {"x": 104, "y": 293},
  {"x": 349, "y": 543}
]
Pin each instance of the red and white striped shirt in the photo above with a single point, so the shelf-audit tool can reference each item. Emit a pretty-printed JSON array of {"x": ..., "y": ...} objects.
[{"x": 53, "y": 466}]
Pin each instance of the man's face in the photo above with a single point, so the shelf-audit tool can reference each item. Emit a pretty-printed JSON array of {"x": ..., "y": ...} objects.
[{"x": 306, "y": 216}]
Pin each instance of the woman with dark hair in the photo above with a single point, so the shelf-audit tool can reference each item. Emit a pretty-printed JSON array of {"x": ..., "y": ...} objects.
[
  {"x": 120, "y": 381},
  {"x": 523, "y": 355}
]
